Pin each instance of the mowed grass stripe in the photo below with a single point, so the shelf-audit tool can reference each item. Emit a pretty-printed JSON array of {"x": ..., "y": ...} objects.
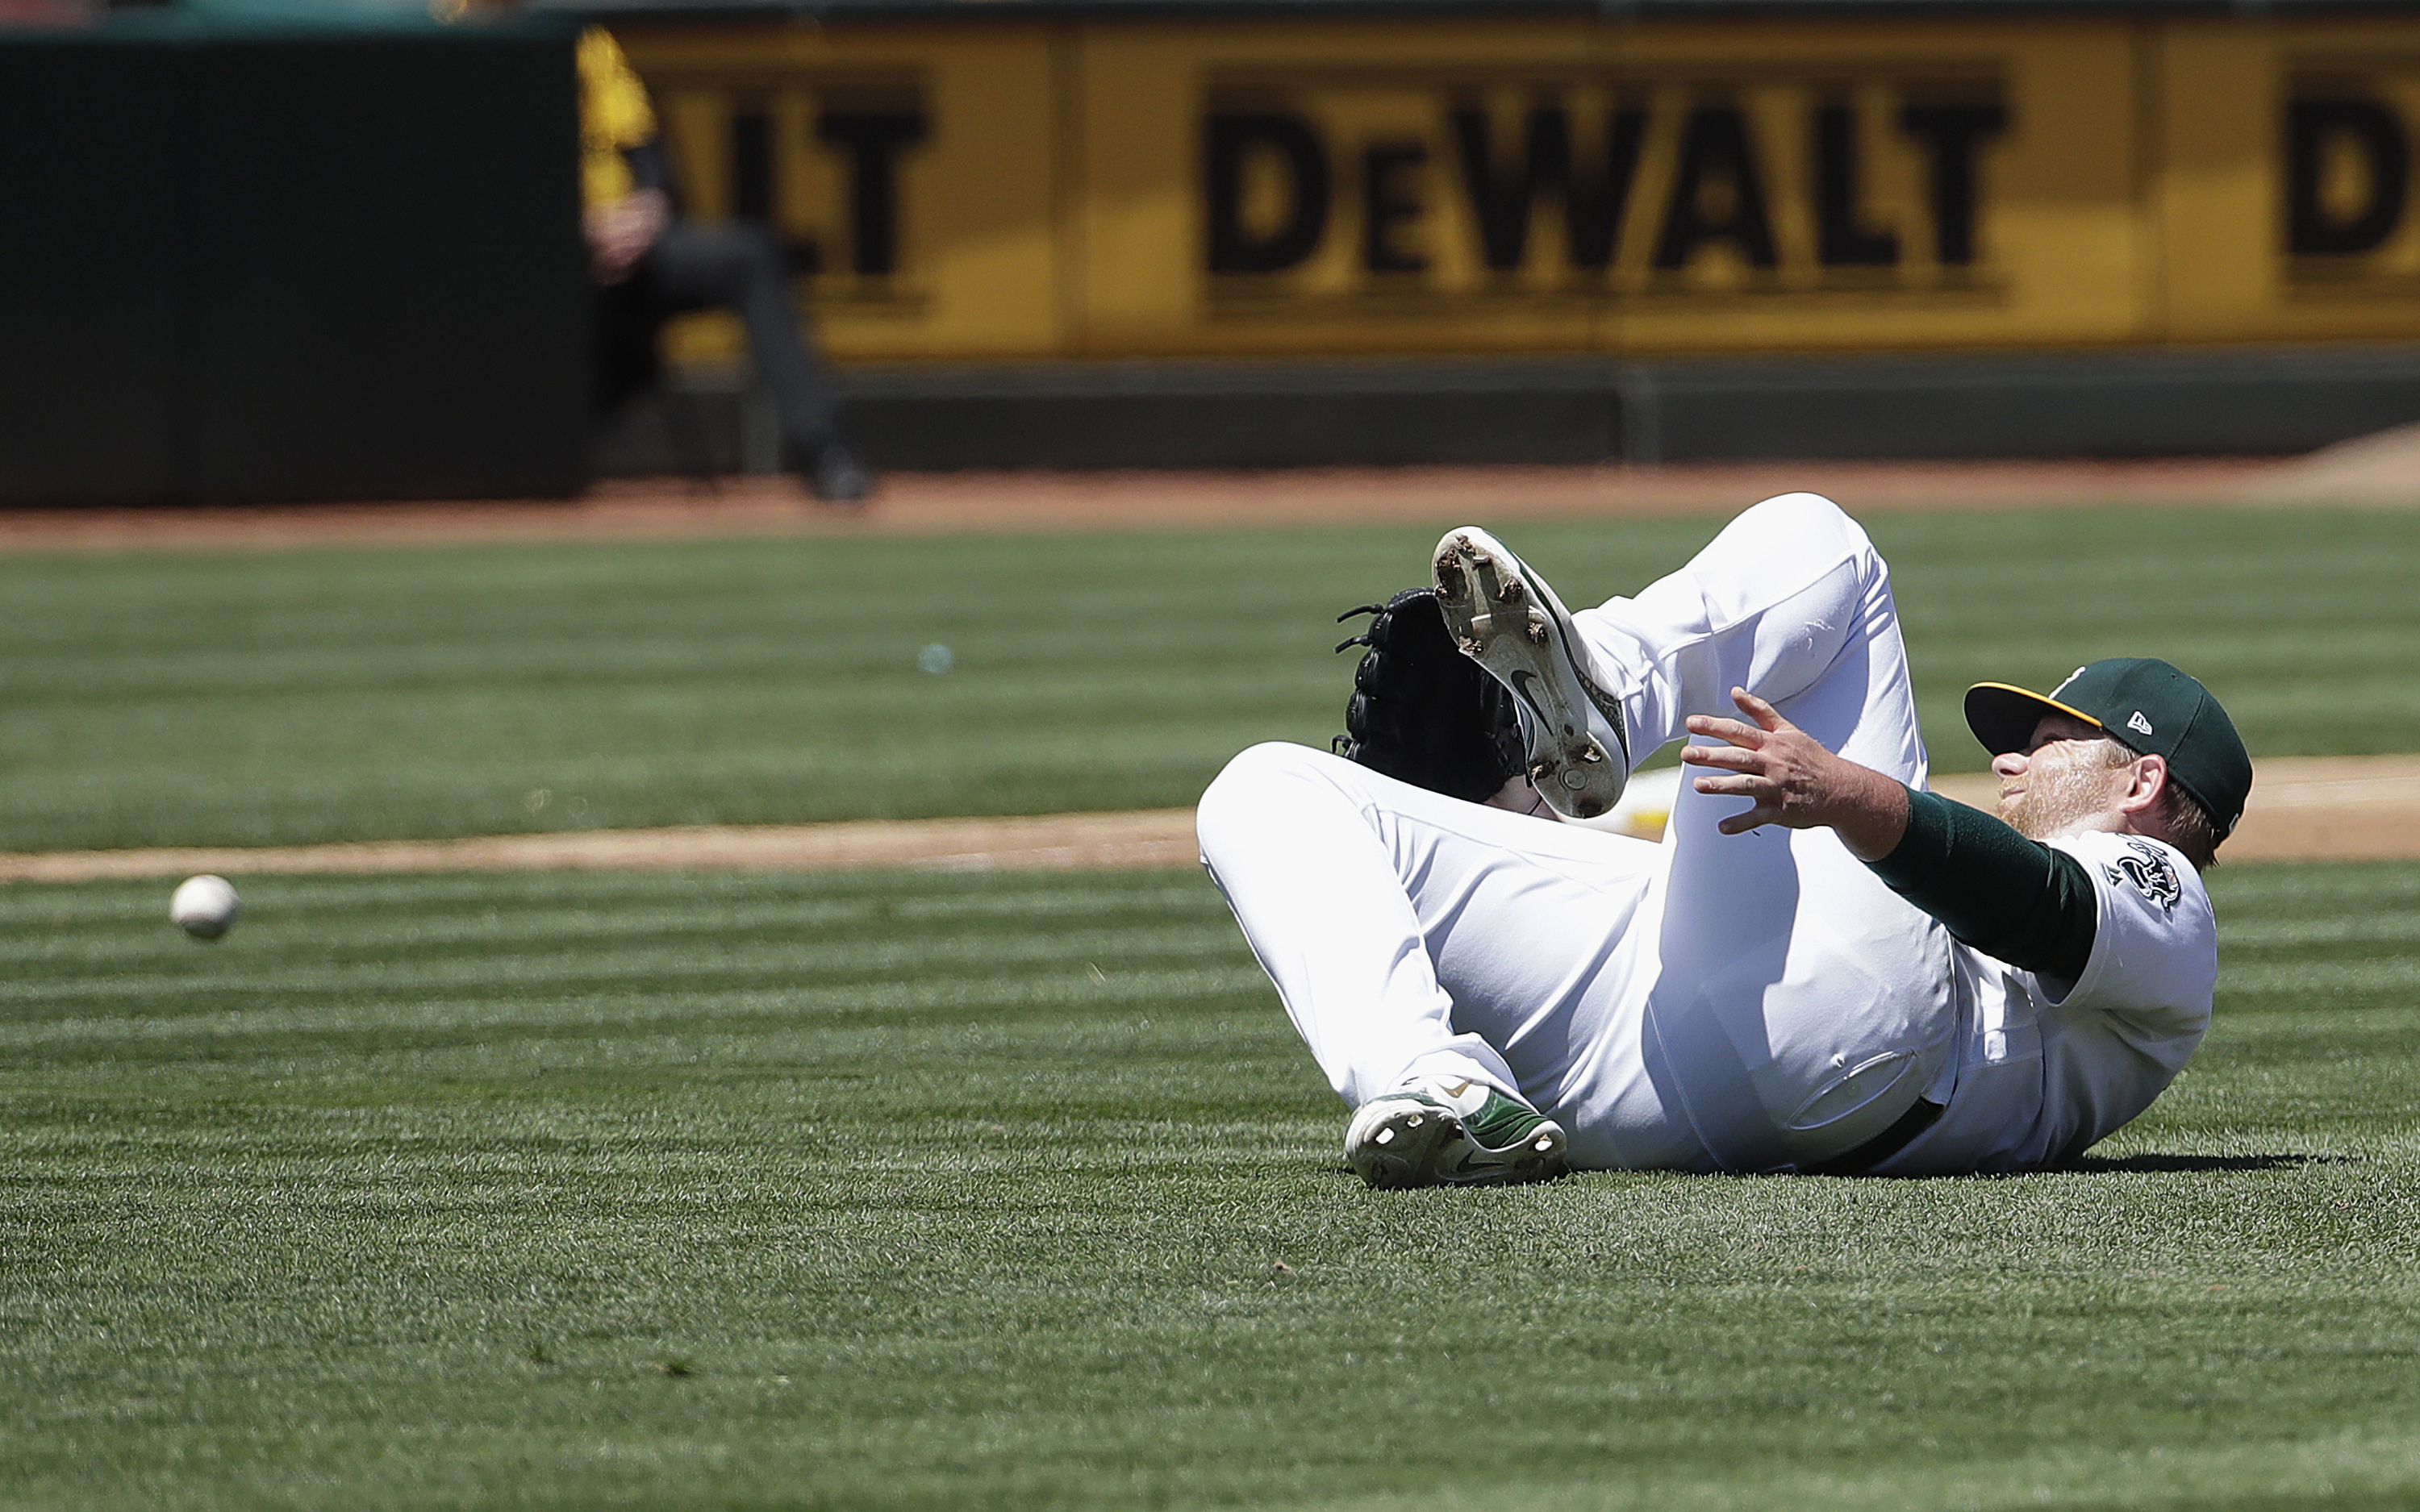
[
  {"x": 466, "y": 1222},
  {"x": 294, "y": 697},
  {"x": 624, "y": 959},
  {"x": 733, "y": 953},
  {"x": 426, "y": 1020},
  {"x": 486, "y": 916}
]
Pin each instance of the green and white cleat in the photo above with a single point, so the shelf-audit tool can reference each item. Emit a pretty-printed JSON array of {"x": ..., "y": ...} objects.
[
  {"x": 1505, "y": 618},
  {"x": 1414, "y": 1138}
]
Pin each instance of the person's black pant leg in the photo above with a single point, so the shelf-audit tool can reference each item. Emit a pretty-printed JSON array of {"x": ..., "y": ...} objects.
[
  {"x": 627, "y": 323},
  {"x": 740, "y": 268}
]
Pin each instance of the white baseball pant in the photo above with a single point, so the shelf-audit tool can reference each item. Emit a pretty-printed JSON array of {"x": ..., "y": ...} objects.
[{"x": 1745, "y": 1002}]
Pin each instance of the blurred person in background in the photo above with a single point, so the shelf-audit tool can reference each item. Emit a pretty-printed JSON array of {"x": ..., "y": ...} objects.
[{"x": 649, "y": 264}]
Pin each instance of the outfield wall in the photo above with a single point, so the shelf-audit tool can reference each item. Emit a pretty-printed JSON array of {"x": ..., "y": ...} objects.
[
  {"x": 278, "y": 258},
  {"x": 1541, "y": 184}
]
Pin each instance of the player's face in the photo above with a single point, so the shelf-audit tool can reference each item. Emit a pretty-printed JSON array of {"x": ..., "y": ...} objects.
[{"x": 2069, "y": 776}]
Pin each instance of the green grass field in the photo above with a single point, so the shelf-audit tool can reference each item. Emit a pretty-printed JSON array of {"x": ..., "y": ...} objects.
[
  {"x": 894, "y": 1190},
  {"x": 289, "y": 697},
  {"x": 898, "y": 1190}
]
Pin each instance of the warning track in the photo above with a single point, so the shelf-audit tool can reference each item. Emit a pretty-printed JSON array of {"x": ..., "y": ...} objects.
[
  {"x": 2377, "y": 473},
  {"x": 2304, "y": 809}
]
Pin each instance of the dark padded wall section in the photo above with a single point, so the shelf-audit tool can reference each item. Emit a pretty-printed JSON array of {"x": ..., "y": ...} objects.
[
  {"x": 2096, "y": 404},
  {"x": 89, "y": 282},
  {"x": 2171, "y": 402},
  {"x": 392, "y": 297},
  {"x": 244, "y": 261},
  {"x": 1237, "y": 415}
]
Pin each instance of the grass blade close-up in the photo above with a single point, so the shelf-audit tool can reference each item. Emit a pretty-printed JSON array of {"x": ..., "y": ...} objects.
[{"x": 894, "y": 1190}]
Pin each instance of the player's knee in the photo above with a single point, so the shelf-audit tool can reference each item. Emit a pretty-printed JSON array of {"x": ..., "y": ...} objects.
[
  {"x": 1240, "y": 795},
  {"x": 1807, "y": 527},
  {"x": 755, "y": 247},
  {"x": 1802, "y": 513},
  {"x": 729, "y": 256},
  {"x": 1253, "y": 768}
]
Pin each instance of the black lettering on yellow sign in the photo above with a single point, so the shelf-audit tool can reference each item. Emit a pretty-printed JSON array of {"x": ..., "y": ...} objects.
[
  {"x": 2319, "y": 224},
  {"x": 1842, "y": 236},
  {"x": 1717, "y": 192},
  {"x": 752, "y": 186},
  {"x": 775, "y": 148},
  {"x": 1592, "y": 196},
  {"x": 1232, "y": 141},
  {"x": 1954, "y": 135},
  {"x": 1716, "y": 188},
  {"x": 872, "y": 139},
  {"x": 1390, "y": 205}
]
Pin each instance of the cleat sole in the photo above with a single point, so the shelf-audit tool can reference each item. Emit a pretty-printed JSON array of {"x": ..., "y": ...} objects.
[
  {"x": 1402, "y": 1146},
  {"x": 1490, "y": 613},
  {"x": 1396, "y": 1143}
]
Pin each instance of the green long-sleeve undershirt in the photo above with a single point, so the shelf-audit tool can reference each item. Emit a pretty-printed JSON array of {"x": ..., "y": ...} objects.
[{"x": 2011, "y": 898}]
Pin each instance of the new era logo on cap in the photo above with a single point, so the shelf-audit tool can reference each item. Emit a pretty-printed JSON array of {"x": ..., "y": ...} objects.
[{"x": 2136, "y": 722}]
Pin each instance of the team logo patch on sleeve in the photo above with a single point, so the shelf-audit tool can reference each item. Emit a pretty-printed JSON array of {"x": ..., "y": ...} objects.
[{"x": 2150, "y": 873}]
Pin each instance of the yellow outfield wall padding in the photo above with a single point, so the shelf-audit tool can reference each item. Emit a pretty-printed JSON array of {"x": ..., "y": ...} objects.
[{"x": 1134, "y": 187}]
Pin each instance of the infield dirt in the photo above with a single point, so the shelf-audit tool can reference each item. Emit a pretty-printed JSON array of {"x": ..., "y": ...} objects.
[
  {"x": 2305, "y": 808},
  {"x": 2383, "y": 472}
]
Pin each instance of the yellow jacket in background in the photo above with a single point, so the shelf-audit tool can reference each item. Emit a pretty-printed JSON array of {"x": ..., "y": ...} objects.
[{"x": 614, "y": 116}]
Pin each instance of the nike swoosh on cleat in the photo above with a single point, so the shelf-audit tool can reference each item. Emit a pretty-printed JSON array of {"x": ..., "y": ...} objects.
[{"x": 1522, "y": 677}]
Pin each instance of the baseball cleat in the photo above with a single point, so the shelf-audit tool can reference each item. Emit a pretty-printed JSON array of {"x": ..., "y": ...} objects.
[
  {"x": 1504, "y": 617},
  {"x": 1412, "y": 1138}
]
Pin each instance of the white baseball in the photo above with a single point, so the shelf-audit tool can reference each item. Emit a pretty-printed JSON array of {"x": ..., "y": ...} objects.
[{"x": 203, "y": 906}]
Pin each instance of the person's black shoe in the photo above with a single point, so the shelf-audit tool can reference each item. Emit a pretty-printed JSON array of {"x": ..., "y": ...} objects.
[{"x": 835, "y": 476}]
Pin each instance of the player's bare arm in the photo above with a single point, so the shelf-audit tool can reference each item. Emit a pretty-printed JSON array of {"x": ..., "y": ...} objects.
[{"x": 1795, "y": 781}]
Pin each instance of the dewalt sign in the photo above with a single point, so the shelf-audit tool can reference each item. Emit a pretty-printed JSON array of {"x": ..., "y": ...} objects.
[
  {"x": 2347, "y": 171},
  {"x": 1162, "y": 189},
  {"x": 1462, "y": 187}
]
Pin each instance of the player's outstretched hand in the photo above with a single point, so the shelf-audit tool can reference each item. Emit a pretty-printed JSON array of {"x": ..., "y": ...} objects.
[{"x": 1793, "y": 780}]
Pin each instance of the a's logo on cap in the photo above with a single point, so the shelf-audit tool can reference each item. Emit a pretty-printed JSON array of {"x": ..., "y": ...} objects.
[
  {"x": 2137, "y": 723},
  {"x": 2063, "y": 682}
]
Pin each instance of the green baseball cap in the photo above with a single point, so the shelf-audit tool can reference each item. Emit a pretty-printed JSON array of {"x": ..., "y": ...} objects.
[{"x": 2144, "y": 706}]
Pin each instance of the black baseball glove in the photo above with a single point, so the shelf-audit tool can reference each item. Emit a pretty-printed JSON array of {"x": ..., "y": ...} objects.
[{"x": 1422, "y": 711}]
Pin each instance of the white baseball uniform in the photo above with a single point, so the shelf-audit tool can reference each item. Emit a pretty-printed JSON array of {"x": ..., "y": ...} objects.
[{"x": 1747, "y": 1002}]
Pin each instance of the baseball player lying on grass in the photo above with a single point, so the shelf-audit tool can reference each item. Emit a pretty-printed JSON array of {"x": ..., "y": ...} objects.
[{"x": 1823, "y": 967}]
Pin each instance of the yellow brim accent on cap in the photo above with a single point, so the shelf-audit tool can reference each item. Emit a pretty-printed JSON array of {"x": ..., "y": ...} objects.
[{"x": 2047, "y": 702}]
